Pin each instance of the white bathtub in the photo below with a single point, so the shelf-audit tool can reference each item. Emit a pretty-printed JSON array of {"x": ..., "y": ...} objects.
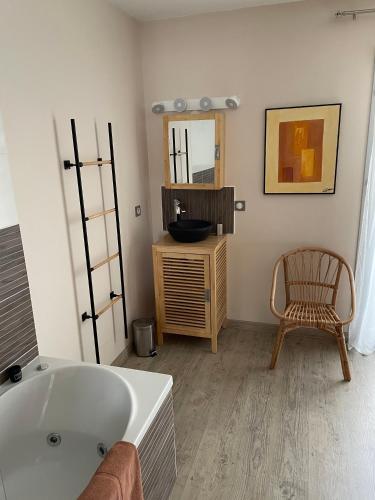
[{"x": 54, "y": 424}]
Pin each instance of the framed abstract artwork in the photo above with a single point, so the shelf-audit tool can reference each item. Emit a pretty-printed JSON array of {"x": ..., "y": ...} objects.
[{"x": 301, "y": 147}]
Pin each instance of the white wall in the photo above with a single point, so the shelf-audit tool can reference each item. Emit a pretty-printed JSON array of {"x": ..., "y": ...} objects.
[
  {"x": 285, "y": 55},
  {"x": 8, "y": 211},
  {"x": 80, "y": 59}
]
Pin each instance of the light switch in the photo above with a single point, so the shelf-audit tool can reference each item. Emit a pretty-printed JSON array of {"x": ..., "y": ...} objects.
[
  {"x": 138, "y": 210},
  {"x": 240, "y": 205}
]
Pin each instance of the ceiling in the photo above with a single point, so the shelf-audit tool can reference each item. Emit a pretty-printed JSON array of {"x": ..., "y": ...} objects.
[{"x": 149, "y": 10}]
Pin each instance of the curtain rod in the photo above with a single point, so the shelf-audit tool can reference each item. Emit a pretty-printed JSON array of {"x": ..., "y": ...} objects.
[{"x": 354, "y": 13}]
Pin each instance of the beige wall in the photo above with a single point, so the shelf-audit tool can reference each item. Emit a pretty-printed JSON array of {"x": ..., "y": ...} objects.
[
  {"x": 63, "y": 59},
  {"x": 275, "y": 56},
  {"x": 82, "y": 59}
]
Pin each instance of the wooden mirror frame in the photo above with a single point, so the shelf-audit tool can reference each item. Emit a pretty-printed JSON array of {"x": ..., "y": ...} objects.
[{"x": 219, "y": 142}]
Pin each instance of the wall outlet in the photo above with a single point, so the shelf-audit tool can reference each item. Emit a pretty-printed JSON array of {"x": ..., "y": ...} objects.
[
  {"x": 138, "y": 210},
  {"x": 240, "y": 205}
]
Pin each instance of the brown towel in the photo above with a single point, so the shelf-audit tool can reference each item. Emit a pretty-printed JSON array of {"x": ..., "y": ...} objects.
[{"x": 118, "y": 477}]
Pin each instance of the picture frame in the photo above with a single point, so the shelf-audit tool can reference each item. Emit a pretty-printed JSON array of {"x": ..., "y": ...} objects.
[{"x": 301, "y": 149}]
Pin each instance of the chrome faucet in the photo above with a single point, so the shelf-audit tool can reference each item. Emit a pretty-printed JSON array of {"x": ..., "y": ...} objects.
[{"x": 178, "y": 209}]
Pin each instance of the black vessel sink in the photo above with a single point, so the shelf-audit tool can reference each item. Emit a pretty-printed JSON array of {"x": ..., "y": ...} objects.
[{"x": 189, "y": 230}]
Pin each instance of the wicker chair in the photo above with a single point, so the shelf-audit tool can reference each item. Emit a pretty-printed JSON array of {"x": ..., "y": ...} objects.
[{"x": 312, "y": 277}]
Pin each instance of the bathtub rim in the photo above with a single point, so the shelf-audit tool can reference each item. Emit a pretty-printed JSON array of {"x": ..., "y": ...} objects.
[{"x": 148, "y": 390}]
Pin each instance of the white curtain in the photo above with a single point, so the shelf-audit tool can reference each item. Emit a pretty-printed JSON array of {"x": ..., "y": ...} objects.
[{"x": 362, "y": 329}]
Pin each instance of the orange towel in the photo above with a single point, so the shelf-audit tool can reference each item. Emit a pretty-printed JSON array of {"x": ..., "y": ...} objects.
[{"x": 118, "y": 477}]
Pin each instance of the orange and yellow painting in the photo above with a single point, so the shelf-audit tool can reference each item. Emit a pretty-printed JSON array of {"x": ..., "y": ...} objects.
[{"x": 301, "y": 149}]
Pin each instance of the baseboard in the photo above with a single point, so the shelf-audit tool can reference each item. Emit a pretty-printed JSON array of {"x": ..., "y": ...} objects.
[
  {"x": 122, "y": 357},
  {"x": 273, "y": 326},
  {"x": 233, "y": 322}
]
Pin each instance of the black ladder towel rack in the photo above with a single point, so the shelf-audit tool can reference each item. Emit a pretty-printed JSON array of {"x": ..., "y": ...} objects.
[{"x": 114, "y": 297}]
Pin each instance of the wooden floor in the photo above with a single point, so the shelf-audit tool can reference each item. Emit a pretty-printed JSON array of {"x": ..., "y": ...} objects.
[{"x": 245, "y": 432}]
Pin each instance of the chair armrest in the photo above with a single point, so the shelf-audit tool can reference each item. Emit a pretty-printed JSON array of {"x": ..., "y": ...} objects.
[
  {"x": 352, "y": 295},
  {"x": 277, "y": 313}
]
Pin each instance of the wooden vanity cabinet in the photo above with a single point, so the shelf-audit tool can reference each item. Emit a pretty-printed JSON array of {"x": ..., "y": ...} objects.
[{"x": 190, "y": 281}]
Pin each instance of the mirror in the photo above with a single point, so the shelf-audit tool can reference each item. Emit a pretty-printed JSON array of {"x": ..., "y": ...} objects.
[{"x": 193, "y": 151}]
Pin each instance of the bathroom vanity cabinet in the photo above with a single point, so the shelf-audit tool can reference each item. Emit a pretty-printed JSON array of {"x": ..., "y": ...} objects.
[{"x": 190, "y": 282}]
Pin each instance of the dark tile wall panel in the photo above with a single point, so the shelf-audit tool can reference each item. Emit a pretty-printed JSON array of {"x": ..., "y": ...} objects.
[
  {"x": 216, "y": 206},
  {"x": 157, "y": 454},
  {"x": 17, "y": 331}
]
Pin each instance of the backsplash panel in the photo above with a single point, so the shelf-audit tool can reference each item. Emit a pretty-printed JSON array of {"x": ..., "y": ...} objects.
[
  {"x": 216, "y": 206},
  {"x": 18, "y": 343}
]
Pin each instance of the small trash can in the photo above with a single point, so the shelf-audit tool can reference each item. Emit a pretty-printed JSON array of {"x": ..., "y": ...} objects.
[{"x": 144, "y": 337}]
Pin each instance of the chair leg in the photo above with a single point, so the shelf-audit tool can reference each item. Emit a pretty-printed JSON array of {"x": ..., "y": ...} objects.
[
  {"x": 343, "y": 355},
  {"x": 277, "y": 346}
]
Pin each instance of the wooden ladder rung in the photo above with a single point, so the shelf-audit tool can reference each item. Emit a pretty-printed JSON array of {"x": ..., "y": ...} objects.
[
  {"x": 99, "y": 214},
  {"x": 105, "y": 261},
  {"x": 108, "y": 306},
  {"x": 95, "y": 162}
]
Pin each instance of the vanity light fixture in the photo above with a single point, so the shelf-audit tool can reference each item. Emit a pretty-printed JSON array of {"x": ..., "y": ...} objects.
[
  {"x": 158, "y": 108},
  {"x": 202, "y": 104},
  {"x": 180, "y": 105},
  {"x": 232, "y": 102},
  {"x": 205, "y": 103}
]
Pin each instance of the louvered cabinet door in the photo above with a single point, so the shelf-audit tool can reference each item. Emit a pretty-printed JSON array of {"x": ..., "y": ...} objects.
[
  {"x": 185, "y": 293},
  {"x": 221, "y": 285}
]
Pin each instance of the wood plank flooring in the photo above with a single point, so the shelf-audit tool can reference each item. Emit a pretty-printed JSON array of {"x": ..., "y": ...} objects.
[{"x": 247, "y": 433}]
